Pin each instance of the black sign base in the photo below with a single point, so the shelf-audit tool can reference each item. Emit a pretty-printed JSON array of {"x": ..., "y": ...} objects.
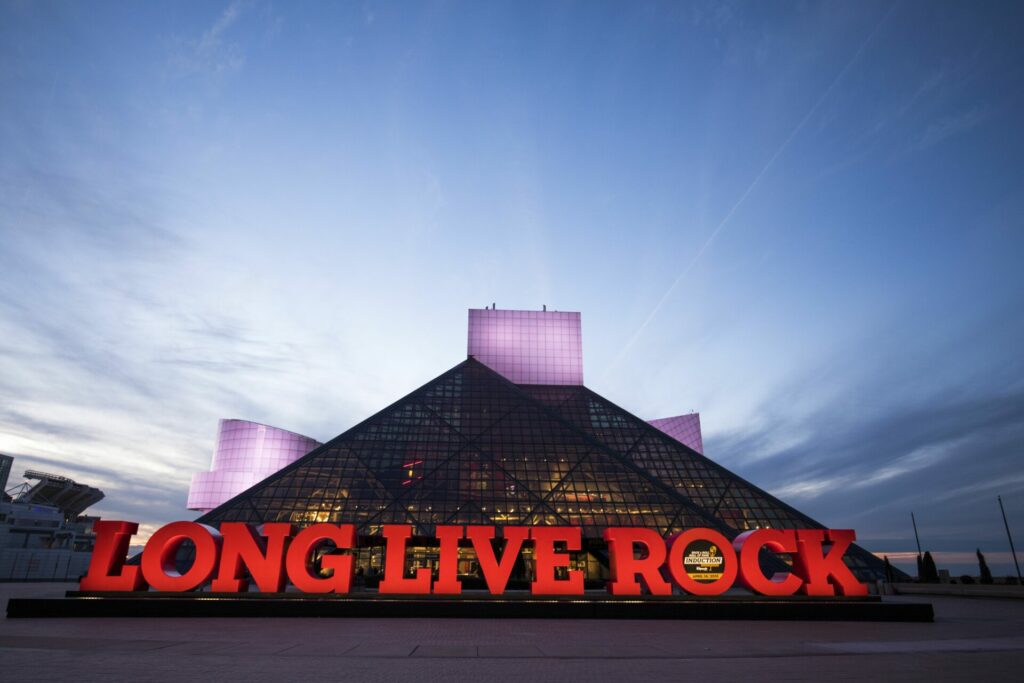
[{"x": 509, "y": 606}]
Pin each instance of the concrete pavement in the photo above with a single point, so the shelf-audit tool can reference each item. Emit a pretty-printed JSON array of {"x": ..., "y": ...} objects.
[{"x": 972, "y": 639}]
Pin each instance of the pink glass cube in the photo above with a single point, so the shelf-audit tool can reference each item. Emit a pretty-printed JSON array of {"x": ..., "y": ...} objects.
[{"x": 528, "y": 347}]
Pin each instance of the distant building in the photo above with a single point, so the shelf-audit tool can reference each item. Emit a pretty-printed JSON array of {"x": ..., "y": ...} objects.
[
  {"x": 43, "y": 534},
  {"x": 6, "y": 462}
]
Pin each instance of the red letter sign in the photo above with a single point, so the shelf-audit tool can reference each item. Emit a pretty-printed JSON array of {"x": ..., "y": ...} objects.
[
  {"x": 242, "y": 550},
  {"x": 826, "y": 574},
  {"x": 749, "y": 544},
  {"x": 700, "y": 561},
  {"x": 448, "y": 561},
  {"x": 547, "y": 560},
  {"x": 625, "y": 566},
  {"x": 394, "y": 580},
  {"x": 299, "y": 558},
  {"x": 496, "y": 574},
  {"x": 106, "y": 568},
  {"x": 158, "y": 558}
]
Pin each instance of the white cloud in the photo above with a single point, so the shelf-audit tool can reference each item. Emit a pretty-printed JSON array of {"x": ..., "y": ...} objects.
[
  {"x": 949, "y": 126},
  {"x": 212, "y": 53}
]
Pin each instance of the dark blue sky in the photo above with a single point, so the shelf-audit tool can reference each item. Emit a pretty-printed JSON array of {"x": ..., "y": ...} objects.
[{"x": 803, "y": 220}]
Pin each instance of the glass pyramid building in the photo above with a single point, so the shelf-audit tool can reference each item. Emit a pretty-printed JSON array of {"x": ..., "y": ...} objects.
[{"x": 474, "y": 447}]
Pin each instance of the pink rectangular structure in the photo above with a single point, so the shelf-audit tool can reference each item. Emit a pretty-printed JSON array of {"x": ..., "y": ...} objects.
[{"x": 528, "y": 347}]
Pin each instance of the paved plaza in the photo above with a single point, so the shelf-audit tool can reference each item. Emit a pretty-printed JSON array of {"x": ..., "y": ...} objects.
[{"x": 977, "y": 639}]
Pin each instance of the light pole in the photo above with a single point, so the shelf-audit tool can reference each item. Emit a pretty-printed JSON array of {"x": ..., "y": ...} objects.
[
  {"x": 1008, "y": 536},
  {"x": 918, "y": 539}
]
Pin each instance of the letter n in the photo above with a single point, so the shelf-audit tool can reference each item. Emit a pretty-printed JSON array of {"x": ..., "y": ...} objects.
[{"x": 242, "y": 550}]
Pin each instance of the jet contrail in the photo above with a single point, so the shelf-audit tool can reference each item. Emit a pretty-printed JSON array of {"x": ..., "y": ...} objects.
[{"x": 771, "y": 162}]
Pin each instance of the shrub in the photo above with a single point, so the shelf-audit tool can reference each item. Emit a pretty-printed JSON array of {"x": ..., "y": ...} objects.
[{"x": 984, "y": 572}]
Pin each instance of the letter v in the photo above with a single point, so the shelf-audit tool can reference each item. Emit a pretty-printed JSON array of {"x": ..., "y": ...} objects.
[{"x": 496, "y": 573}]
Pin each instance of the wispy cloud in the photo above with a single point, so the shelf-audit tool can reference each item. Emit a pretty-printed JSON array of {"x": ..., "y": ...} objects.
[
  {"x": 110, "y": 374},
  {"x": 949, "y": 126},
  {"x": 212, "y": 53},
  {"x": 750, "y": 188},
  {"x": 863, "y": 465}
]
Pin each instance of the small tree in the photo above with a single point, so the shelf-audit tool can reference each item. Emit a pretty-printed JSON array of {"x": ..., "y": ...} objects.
[
  {"x": 986, "y": 574},
  {"x": 930, "y": 574},
  {"x": 888, "y": 570}
]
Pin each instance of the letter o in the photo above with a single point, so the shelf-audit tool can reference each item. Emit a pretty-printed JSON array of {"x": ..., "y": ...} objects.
[
  {"x": 158, "y": 557},
  {"x": 677, "y": 568}
]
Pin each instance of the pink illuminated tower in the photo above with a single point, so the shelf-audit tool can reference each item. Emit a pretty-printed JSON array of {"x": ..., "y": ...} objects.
[
  {"x": 246, "y": 453},
  {"x": 528, "y": 347}
]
